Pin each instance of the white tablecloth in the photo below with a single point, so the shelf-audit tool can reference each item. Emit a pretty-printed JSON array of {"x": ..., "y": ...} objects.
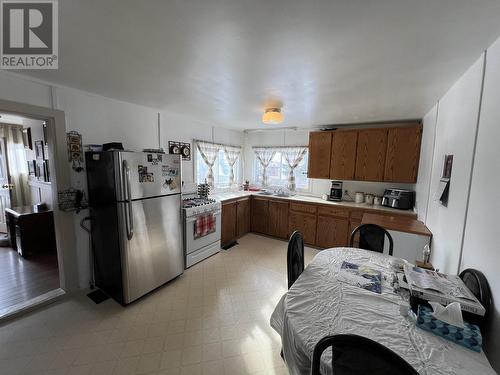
[{"x": 318, "y": 305}]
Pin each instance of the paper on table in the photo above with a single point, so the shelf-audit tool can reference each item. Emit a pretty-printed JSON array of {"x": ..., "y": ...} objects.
[{"x": 451, "y": 314}]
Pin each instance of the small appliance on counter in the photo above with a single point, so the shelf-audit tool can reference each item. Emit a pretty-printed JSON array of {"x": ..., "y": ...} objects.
[
  {"x": 399, "y": 198},
  {"x": 336, "y": 191},
  {"x": 369, "y": 199},
  {"x": 359, "y": 197}
]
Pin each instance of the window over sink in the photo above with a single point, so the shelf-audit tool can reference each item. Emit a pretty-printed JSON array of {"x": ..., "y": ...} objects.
[{"x": 280, "y": 160}]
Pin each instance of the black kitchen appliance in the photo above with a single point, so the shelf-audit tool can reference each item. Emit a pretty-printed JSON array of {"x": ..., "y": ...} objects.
[
  {"x": 399, "y": 198},
  {"x": 336, "y": 191}
]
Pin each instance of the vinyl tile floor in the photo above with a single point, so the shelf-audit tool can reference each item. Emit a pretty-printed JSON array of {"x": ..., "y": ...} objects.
[{"x": 213, "y": 319}]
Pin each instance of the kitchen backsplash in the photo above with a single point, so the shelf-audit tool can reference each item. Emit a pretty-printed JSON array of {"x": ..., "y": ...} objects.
[{"x": 320, "y": 187}]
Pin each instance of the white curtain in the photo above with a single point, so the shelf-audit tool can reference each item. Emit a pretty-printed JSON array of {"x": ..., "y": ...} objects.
[
  {"x": 208, "y": 152},
  {"x": 293, "y": 156},
  {"x": 264, "y": 156},
  {"x": 17, "y": 165},
  {"x": 232, "y": 154}
]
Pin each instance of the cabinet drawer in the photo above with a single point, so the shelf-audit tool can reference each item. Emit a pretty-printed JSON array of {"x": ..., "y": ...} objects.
[
  {"x": 333, "y": 211},
  {"x": 303, "y": 208}
]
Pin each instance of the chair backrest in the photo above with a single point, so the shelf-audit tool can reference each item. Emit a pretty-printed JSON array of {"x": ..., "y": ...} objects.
[
  {"x": 295, "y": 257},
  {"x": 478, "y": 285},
  {"x": 371, "y": 237},
  {"x": 356, "y": 355}
]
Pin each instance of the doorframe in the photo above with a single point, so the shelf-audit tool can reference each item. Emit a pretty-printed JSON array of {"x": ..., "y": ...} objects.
[{"x": 67, "y": 258}]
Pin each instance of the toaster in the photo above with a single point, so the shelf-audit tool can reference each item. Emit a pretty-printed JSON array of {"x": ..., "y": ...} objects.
[{"x": 399, "y": 198}]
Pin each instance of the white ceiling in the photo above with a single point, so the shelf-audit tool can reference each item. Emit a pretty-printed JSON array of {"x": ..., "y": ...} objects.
[{"x": 327, "y": 61}]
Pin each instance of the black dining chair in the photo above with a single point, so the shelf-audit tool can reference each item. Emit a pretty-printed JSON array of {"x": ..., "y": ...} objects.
[
  {"x": 478, "y": 285},
  {"x": 295, "y": 257},
  {"x": 372, "y": 237},
  {"x": 358, "y": 355}
]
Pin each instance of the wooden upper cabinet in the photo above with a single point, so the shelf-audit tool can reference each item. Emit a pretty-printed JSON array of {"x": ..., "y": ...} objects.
[
  {"x": 389, "y": 153},
  {"x": 403, "y": 154},
  {"x": 370, "y": 154},
  {"x": 343, "y": 156},
  {"x": 320, "y": 144}
]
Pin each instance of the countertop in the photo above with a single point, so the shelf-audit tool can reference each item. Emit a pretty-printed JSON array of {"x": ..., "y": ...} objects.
[
  {"x": 312, "y": 199},
  {"x": 397, "y": 223}
]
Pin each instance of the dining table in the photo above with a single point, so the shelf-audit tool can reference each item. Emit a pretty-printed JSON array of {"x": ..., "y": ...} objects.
[{"x": 319, "y": 304}]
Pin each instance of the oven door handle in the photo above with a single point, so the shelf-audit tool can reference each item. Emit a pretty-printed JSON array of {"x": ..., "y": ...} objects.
[{"x": 193, "y": 218}]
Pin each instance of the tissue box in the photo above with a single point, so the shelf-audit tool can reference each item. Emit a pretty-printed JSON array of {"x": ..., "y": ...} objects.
[{"x": 469, "y": 337}]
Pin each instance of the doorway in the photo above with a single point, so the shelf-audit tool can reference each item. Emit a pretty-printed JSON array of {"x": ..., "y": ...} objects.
[{"x": 28, "y": 253}]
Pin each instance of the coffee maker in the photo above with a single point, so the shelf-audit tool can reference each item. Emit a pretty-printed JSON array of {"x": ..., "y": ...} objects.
[{"x": 336, "y": 191}]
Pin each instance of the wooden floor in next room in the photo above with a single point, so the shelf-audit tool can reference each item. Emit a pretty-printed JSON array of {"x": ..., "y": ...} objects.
[{"x": 22, "y": 279}]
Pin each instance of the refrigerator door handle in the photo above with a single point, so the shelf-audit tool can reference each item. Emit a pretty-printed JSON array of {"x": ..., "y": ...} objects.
[{"x": 129, "y": 218}]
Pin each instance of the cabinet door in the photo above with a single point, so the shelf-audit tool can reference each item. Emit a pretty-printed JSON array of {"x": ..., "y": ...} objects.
[
  {"x": 370, "y": 154},
  {"x": 305, "y": 223},
  {"x": 228, "y": 232},
  {"x": 343, "y": 160},
  {"x": 332, "y": 232},
  {"x": 243, "y": 217},
  {"x": 260, "y": 215},
  {"x": 320, "y": 144},
  {"x": 278, "y": 219},
  {"x": 403, "y": 153}
]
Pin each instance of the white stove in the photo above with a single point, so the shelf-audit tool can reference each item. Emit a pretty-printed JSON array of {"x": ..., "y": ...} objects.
[
  {"x": 197, "y": 205},
  {"x": 198, "y": 210}
]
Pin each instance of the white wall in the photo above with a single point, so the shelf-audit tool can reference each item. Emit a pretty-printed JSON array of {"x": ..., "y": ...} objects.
[
  {"x": 425, "y": 166},
  {"x": 455, "y": 132},
  {"x": 466, "y": 232},
  {"x": 481, "y": 249},
  {"x": 101, "y": 120},
  {"x": 300, "y": 137}
]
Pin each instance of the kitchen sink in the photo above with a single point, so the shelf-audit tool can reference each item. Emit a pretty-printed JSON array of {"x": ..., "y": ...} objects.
[
  {"x": 283, "y": 195},
  {"x": 275, "y": 194},
  {"x": 265, "y": 193}
]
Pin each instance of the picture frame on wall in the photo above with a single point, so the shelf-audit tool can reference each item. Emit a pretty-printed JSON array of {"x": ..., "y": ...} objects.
[
  {"x": 45, "y": 135},
  {"x": 39, "y": 150},
  {"x": 46, "y": 171},
  {"x": 31, "y": 167},
  {"x": 38, "y": 171},
  {"x": 27, "y": 139}
]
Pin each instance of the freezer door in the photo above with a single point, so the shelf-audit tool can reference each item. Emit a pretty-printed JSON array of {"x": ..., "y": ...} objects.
[
  {"x": 147, "y": 174},
  {"x": 153, "y": 254}
]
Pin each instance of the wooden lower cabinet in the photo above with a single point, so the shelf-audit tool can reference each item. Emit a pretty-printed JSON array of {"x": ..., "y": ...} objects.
[
  {"x": 321, "y": 225},
  {"x": 278, "y": 219},
  {"x": 242, "y": 216},
  {"x": 260, "y": 215},
  {"x": 228, "y": 219},
  {"x": 305, "y": 223},
  {"x": 332, "y": 232}
]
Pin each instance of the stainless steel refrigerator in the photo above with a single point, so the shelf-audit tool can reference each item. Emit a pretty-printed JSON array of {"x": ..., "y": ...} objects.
[{"x": 135, "y": 210}]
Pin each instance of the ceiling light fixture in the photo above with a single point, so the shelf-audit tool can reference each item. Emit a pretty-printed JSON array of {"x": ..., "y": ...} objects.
[{"x": 272, "y": 116}]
